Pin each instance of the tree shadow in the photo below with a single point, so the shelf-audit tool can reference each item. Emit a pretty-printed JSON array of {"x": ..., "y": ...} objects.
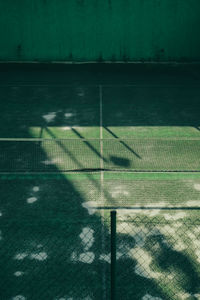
[
  {"x": 178, "y": 262},
  {"x": 151, "y": 265},
  {"x": 50, "y": 244},
  {"x": 41, "y": 106},
  {"x": 43, "y": 251},
  {"x": 133, "y": 282}
]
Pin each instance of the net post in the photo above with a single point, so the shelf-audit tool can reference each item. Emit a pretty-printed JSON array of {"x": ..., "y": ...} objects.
[{"x": 113, "y": 256}]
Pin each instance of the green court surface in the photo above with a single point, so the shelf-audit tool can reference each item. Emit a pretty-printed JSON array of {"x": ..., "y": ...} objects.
[
  {"x": 74, "y": 146},
  {"x": 51, "y": 226}
]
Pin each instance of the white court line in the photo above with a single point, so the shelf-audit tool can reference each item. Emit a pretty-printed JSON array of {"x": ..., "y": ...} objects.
[
  {"x": 184, "y": 138},
  {"x": 102, "y": 194},
  {"x": 139, "y": 85},
  {"x": 101, "y": 127}
]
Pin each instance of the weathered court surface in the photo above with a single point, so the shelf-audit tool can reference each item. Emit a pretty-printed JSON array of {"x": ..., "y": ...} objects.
[{"x": 79, "y": 140}]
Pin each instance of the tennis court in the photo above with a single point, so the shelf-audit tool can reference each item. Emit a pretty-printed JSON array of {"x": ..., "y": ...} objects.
[{"x": 73, "y": 147}]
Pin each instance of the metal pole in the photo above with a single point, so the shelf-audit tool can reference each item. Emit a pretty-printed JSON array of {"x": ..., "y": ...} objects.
[{"x": 113, "y": 255}]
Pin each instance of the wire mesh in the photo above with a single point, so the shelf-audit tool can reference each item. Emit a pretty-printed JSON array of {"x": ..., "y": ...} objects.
[
  {"x": 54, "y": 260},
  {"x": 129, "y": 191},
  {"x": 158, "y": 256},
  {"x": 72, "y": 191},
  {"x": 56, "y": 155}
]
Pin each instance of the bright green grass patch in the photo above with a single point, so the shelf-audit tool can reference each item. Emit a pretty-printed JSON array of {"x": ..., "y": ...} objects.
[
  {"x": 150, "y": 176},
  {"x": 150, "y": 131},
  {"x": 152, "y": 154},
  {"x": 106, "y": 176},
  {"x": 64, "y": 132}
]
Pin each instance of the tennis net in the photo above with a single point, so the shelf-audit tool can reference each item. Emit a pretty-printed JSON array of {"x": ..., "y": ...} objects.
[{"x": 62, "y": 155}]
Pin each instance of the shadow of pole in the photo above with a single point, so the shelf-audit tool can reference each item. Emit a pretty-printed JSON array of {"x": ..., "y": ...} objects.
[
  {"x": 89, "y": 145},
  {"x": 123, "y": 143},
  {"x": 98, "y": 186}
]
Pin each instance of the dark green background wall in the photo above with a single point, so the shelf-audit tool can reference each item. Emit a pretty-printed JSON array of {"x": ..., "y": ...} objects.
[{"x": 95, "y": 30}]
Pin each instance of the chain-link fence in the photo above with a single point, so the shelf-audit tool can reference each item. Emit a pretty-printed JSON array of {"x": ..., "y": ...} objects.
[
  {"x": 158, "y": 255},
  {"x": 54, "y": 260},
  {"x": 146, "y": 254}
]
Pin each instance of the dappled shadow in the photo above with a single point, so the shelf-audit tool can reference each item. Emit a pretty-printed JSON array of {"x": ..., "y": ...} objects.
[
  {"x": 145, "y": 255},
  {"x": 53, "y": 243},
  {"x": 33, "y": 106},
  {"x": 27, "y": 109},
  {"x": 50, "y": 245},
  {"x": 132, "y": 281},
  {"x": 178, "y": 262},
  {"x": 43, "y": 254}
]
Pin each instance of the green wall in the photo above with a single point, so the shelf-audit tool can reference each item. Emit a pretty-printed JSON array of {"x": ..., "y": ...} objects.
[{"x": 96, "y": 30}]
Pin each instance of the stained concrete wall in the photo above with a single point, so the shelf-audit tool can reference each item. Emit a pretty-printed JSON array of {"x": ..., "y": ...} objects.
[{"x": 100, "y": 30}]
